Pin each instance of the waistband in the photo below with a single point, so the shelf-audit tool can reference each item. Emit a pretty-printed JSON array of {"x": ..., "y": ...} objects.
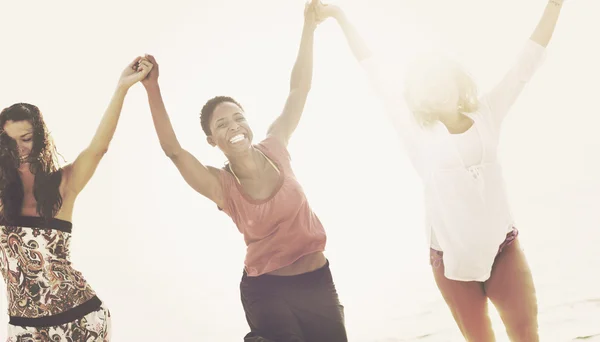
[
  {"x": 64, "y": 317},
  {"x": 298, "y": 278}
]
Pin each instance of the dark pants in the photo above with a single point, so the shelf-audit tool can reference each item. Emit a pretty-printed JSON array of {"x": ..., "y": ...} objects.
[{"x": 300, "y": 308}]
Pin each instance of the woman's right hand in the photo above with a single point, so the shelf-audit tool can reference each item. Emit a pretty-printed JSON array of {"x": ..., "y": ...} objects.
[{"x": 152, "y": 78}]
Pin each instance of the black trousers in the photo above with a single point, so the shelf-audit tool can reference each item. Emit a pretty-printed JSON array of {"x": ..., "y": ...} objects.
[{"x": 300, "y": 308}]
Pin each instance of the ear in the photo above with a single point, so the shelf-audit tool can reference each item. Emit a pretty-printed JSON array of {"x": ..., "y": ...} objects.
[{"x": 211, "y": 141}]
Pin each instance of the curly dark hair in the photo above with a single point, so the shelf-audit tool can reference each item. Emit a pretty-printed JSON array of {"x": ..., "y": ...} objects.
[
  {"x": 43, "y": 165},
  {"x": 209, "y": 108}
]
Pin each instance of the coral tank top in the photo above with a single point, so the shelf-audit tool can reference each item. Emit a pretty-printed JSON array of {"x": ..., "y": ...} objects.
[{"x": 277, "y": 230}]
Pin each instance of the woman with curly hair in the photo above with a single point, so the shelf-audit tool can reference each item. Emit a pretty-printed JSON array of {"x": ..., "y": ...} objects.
[{"x": 48, "y": 300}]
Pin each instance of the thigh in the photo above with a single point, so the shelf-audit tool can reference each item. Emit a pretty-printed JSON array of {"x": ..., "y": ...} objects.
[
  {"x": 511, "y": 290},
  {"x": 269, "y": 316},
  {"x": 321, "y": 314},
  {"x": 467, "y": 301}
]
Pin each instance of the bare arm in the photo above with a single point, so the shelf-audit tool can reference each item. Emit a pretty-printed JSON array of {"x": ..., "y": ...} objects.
[
  {"x": 357, "y": 44},
  {"x": 379, "y": 77},
  {"x": 203, "y": 179},
  {"x": 300, "y": 82},
  {"x": 545, "y": 27},
  {"x": 79, "y": 173},
  {"x": 383, "y": 81}
]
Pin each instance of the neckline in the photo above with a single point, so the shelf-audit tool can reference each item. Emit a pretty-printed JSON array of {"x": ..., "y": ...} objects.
[
  {"x": 41, "y": 218},
  {"x": 456, "y": 152},
  {"x": 275, "y": 163},
  {"x": 473, "y": 122},
  {"x": 40, "y": 222}
]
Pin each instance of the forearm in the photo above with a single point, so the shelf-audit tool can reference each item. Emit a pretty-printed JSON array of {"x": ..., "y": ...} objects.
[
  {"x": 545, "y": 28},
  {"x": 108, "y": 124},
  {"x": 357, "y": 44},
  {"x": 162, "y": 123},
  {"x": 302, "y": 72}
]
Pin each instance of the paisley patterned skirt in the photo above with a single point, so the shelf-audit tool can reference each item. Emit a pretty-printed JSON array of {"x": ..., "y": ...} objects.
[{"x": 93, "y": 327}]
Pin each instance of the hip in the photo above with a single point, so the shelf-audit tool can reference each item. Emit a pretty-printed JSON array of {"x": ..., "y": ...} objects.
[
  {"x": 306, "y": 263},
  {"x": 436, "y": 255}
]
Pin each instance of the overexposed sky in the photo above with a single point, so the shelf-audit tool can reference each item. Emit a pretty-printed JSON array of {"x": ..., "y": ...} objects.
[{"x": 166, "y": 262}]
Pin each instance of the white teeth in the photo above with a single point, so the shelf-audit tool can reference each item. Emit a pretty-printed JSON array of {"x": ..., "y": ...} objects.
[{"x": 236, "y": 138}]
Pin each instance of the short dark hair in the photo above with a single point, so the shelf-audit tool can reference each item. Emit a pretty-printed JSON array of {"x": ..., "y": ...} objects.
[{"x": 209, "y": 108}]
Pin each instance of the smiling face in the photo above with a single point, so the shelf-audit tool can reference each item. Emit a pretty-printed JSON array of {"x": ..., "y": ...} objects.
[
  {"x": 26, "y": 145},
  {"x": 22, "y": 133},
  {"x": 229, "y": 129}
]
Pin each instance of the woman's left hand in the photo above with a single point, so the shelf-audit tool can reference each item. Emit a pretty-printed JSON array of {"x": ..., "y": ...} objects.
[{"x": 135, "y": 72}]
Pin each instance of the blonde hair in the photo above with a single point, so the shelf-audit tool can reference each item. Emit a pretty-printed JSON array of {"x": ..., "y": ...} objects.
[{"x": 426, "y": 83}]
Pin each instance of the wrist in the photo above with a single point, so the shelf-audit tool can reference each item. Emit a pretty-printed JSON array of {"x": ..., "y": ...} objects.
[
  {"x": 122, "y": 89},
  {"x": 152, "y": 88},
  {"x": 338, "y": 14},
  {"x": 309, "y": 27},
  {"x": 151, "y": 85}
]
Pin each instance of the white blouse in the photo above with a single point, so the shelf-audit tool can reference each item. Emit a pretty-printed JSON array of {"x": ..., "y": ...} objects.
[{"x": 465, "y": 198}]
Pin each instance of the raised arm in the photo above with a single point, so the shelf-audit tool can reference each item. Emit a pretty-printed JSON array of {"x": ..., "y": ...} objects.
[
  {"x": 78, "y": 174},
  {"x": 204, "y": 180},
  {"x": 383, "y": 81},
  {"x": 357, "y": 44},
  {"x": 506, "y": 92},
  {"x": 545, "y": 27},
  {"x": 300, "y": 82}
]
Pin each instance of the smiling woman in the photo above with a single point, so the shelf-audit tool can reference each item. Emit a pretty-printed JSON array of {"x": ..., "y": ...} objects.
[
  {"x": 48, "y": 300},
  {"x": 26, "y": 141},
  {"x": 287, "y": 289}
]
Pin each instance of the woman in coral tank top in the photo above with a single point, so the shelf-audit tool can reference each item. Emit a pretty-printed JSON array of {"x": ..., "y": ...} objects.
[{"x": 287, "y": 290}]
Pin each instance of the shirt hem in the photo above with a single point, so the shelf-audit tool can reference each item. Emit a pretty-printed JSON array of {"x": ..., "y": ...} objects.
[{"x": 267, "y": 270}]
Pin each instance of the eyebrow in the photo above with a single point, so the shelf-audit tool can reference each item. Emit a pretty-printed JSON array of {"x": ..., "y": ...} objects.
[{"x": 22, "y": 136}]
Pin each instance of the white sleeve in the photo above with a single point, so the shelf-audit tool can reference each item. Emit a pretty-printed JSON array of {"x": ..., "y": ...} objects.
[
  {"x": 501, "y": 98},
  {"x": 388, "y": 87}
]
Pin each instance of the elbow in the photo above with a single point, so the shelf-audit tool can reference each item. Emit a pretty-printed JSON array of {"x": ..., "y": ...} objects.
[
  {"x": 302, "y": 89},
  {"x": 301, "y": 86},
  {"x": 306, "y": 88},
  {"x": 171, "y": 152},
  {"x": 99, "y": 152}
]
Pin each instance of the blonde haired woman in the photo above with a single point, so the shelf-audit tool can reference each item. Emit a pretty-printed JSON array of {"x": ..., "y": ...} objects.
[{"x": 452, "y": 137}]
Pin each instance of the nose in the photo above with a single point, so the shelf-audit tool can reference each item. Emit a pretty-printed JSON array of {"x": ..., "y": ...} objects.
[{"x": 23, "y": 149}]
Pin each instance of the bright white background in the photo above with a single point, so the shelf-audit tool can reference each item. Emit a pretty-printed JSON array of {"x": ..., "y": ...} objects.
[{"x": 168, "y": 263}]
